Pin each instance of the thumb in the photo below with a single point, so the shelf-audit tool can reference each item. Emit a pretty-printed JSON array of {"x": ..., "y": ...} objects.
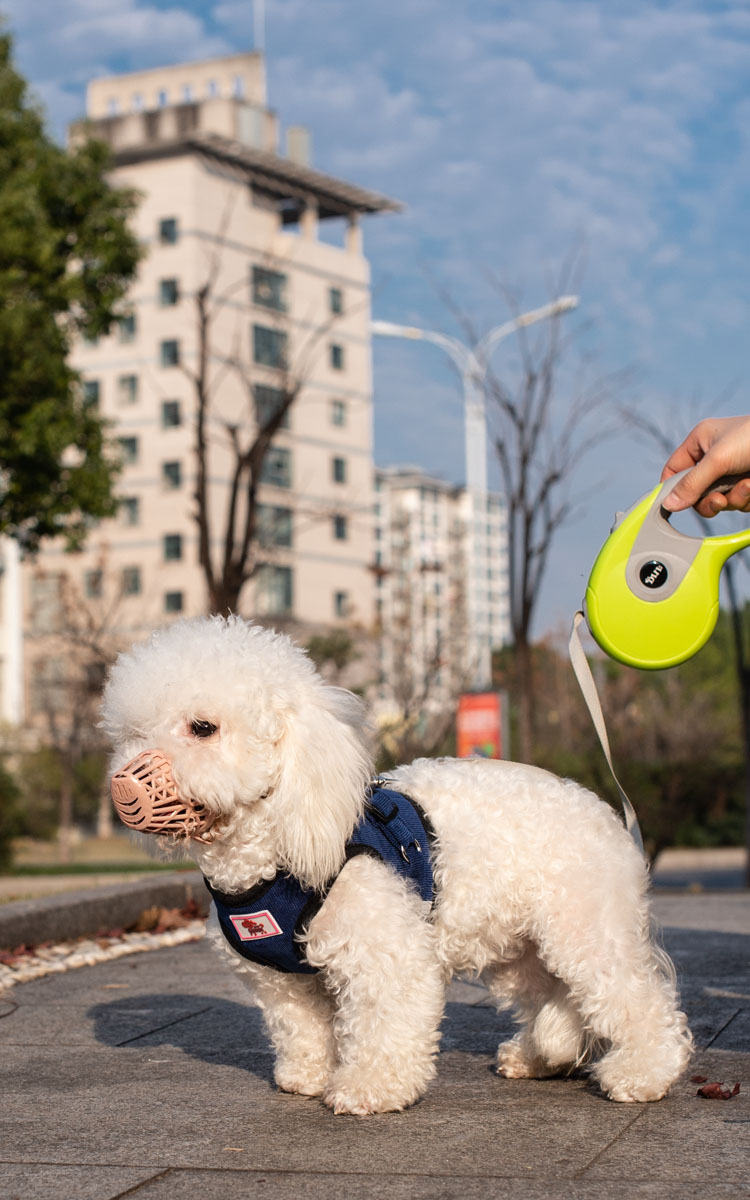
[{"x": 692, "y": 486}]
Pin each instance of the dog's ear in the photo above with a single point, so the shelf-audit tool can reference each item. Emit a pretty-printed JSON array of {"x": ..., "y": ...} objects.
[{"x": 320, "y": 792}]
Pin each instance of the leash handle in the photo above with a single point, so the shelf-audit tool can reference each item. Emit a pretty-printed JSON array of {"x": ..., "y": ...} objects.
[{"x": 587, "y": 685}]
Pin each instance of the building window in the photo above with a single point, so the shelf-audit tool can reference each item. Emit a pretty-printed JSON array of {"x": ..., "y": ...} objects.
[
  {"x": 340, "y": 528},
  {"x": 137, "y": 101},
  {"x": 341, "y": 604},
  {"x": 173, "y": 602},
  {"x": 336, "y": 300},
  {"x": 47, "y": 691},
  {"x": 338, "y": 470},
  {"x": 130, "y": 513},
  {"x": 131, "y": 581},
  {"x": 187, "y": 93},
  {"x": 171, "y": 473},
  {"x": 274, "y": 591},
  {"x": 274, "y": 525},
  {"x": 127, "y": 389},
  {"x": 46, "y": 603},
  {"x": 91, "y": 393},
  {"x": 162, "y": 99},
  {"x": 277, "y": 467},
  {"x": 169, "y": 231},
  {"x": 269, "y": 347},
  {"x": 92, "y": 584},
  {"x": 113, "y": 107},
  {"x": 170, "y": 414},
  {"x": 172, "y": 547},
  {"x": 338, "y": 412},
  {"x": 238, "y": 87},
  {"x": 212, "y": 89},
  {"x": 269, "y": 288},
  {"x": 268, "y": 400},
  {"x": 126, "y": 328},
  {"x": 169, "y": 353},
  {"x": 128, "y": 449},
  {"x": 336, "y": 354},
  {"x": 169, "y": 292}
]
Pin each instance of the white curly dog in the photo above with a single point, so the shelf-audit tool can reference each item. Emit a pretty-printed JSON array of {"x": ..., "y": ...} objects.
[{"x": 537, "y": 885}]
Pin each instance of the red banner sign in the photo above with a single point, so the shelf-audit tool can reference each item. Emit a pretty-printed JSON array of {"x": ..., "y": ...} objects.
[{"x": 479, "y": 725}]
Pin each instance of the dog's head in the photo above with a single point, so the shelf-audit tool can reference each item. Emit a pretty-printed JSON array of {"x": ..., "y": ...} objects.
[{"x": 238, "y": 714}]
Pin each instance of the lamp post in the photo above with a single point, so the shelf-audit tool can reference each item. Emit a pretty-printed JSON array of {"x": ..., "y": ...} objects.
[{"x": 473, "y": 365}]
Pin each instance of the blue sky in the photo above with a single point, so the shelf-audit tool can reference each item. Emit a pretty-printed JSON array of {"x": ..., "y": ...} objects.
[{"x": 512, "y": 132}]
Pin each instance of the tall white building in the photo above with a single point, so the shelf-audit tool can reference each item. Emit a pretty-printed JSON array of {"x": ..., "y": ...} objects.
[
  {"x": 223, "y": 211},
  {"x": 435, "y": 617}
]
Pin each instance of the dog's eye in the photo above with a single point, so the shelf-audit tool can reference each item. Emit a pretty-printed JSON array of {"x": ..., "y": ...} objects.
[{"x": 202, "y": 729}]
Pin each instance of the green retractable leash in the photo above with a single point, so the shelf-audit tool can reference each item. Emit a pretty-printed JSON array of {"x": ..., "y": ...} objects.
[{"x": 652, "y": 599}]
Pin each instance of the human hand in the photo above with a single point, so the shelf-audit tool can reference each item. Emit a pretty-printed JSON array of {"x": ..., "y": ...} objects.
[{"x": 716, "y": 447}]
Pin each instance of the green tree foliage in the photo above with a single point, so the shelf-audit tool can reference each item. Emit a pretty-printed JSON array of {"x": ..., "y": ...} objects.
[
  {"x": 42, "y": 775},
  {"x": 9, "y": 815},
  {"x": 66, "y": 260}
]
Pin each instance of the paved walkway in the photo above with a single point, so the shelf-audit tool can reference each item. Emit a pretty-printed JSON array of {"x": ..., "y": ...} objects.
[{"x": 150, "y": 1077}]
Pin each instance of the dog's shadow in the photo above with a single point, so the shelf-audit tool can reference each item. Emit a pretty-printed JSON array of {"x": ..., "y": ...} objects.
[
  {"x": 213, "y": 1030},
  {"x": 225, "y": 1033}
]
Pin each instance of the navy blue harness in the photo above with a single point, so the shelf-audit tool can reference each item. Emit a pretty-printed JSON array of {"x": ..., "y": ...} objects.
[{"x": 265, "y": 923}]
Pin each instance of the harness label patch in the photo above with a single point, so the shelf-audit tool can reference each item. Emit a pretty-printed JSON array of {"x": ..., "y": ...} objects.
[{"x": 251, "y": 927}]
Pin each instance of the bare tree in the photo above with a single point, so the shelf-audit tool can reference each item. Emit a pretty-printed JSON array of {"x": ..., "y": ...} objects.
[
  {"x": 425, "y": 675},
  {"x": 542, "y": 426},
  {"x": 240, "y": 436},
  {"x": 76, "y": 647}
]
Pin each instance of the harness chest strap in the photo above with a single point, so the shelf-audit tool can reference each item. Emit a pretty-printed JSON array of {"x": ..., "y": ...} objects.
[{"x": 265, "y": 924}]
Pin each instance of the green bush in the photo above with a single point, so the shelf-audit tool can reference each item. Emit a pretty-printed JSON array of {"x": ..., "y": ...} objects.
[{"x": 10, "y": 813}]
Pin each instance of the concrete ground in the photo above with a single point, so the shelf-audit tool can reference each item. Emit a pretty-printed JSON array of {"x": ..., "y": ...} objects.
[{"x": 150, "y": 1077}]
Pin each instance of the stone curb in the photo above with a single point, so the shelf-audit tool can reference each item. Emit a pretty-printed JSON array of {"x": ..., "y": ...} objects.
[{"x": 76, "y": 914}]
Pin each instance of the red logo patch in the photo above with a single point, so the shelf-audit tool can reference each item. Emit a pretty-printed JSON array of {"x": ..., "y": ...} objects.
[{"x": 253, "y": 926}]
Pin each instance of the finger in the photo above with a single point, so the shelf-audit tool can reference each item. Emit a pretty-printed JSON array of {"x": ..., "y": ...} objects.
[
  {"x": 713, "y": 503},
  {"x": 680, "y": 460},
  {"x": 690, "y": 489},
  {"x": 697, "y": 443},
  {"x": 738, "y": 499}
]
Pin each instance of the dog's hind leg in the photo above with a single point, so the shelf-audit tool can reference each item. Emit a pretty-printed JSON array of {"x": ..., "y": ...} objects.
[
  {"x": 376, "y": 953},
  {"x": 552, "y": 1039},
  {"x": 624, "y": 990}
]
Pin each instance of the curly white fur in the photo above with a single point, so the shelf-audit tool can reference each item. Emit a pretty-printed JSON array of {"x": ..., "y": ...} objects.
[{"x": 539, "y": 887}]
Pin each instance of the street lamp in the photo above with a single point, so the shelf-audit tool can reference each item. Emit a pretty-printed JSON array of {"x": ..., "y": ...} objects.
[{"x": 473, "y": 365}]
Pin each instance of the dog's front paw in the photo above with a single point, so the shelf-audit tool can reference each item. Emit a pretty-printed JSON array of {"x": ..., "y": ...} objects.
[
  {"x": 303, "y": 1079},
  {"x": 351, "y": 1092}
]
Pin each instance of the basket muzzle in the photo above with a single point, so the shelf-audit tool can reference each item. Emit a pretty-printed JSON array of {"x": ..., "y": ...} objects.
[{"x": 147, "y": 799}]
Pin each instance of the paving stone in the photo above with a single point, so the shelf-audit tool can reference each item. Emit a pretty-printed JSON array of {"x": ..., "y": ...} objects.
[
  {"x": 249, "y": 1185},
  {"x": 41, "y": 1181},
  {"x": 70, "y": 1025}
]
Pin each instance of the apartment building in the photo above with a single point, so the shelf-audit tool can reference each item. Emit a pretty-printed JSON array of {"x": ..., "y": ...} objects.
[
  {"x": 226, "y": 217},
  {"x": 11, "y": 634},
  {"x": 435, "y": 617}
]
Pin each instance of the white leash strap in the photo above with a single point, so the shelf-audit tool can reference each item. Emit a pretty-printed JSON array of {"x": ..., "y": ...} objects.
[{"x": 588, "y": 689}]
